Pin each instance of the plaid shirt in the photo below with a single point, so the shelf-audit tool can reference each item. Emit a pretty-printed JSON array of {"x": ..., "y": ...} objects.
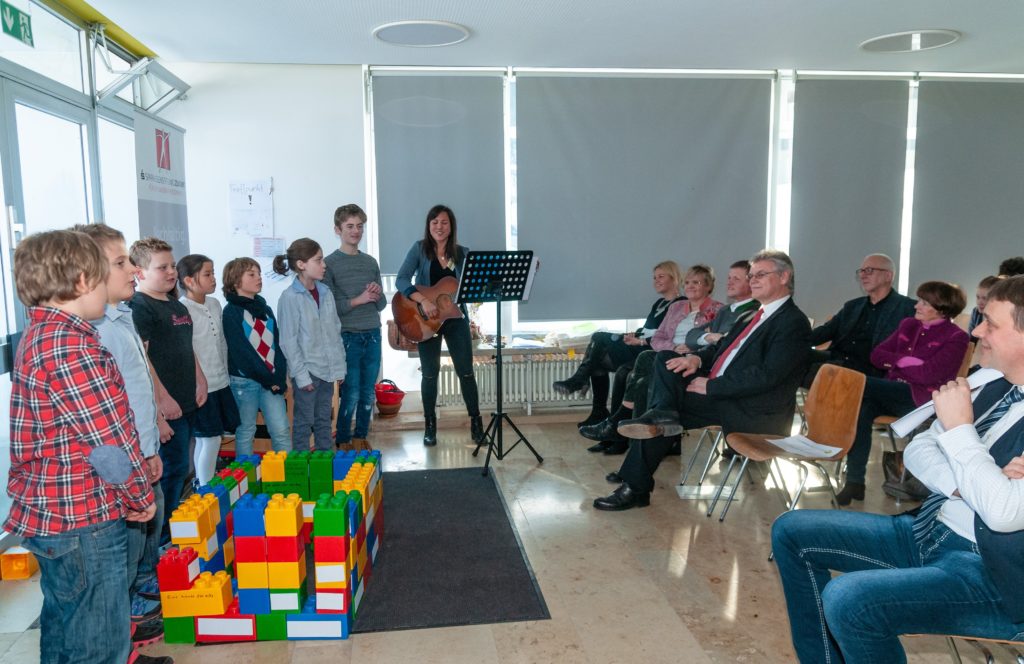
[{"x": 67, "y": 396}]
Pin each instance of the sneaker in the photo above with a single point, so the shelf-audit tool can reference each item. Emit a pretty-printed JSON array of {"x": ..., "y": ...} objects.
[
  {"x": 149, "y": 590},
  {"x": 138, "y": 658},
  {"x": 148, "y": 632},
  {"x": 144, "y": 609}
]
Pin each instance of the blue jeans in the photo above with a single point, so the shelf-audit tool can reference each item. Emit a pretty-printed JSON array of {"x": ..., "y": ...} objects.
[
  {"x": 251, "y": 397},
  {"x": 881, "y": 397},
  {"x": 176, "y": 456},
  {"x": 362, "y": 357},
  {"x": 86, "y": 614},
  {"x": 143, "y": 545},
  {"x": 889, "y": 586}
]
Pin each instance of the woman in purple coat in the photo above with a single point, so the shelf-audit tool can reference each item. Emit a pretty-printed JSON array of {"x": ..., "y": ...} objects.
[{"x": 924, "y": 353}]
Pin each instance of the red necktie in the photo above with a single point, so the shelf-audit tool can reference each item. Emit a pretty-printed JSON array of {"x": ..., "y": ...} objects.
[{"x": 716, "y": 368}]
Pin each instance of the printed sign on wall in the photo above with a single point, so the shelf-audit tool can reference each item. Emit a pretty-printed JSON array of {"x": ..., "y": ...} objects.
[{"x": 160, "y": 160}]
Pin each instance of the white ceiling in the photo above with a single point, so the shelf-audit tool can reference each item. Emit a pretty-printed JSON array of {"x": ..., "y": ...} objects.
[{"x": 700, "y": 34}]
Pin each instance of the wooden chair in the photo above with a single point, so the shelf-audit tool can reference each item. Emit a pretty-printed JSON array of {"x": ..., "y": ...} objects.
[
  {"x": 982, "y": 645},
  {"x": 832, "y": 407}
]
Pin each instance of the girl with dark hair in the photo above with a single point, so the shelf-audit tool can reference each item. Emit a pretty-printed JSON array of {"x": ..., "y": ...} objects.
[
  {"x": 220, "y": 412},
  {"x": 311, "y": 341},
  {"x": 436, "y": 256}
]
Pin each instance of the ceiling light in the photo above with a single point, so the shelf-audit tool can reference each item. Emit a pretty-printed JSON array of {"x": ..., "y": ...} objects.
[
  {"x": 421, "y": 34},
  {"x": 910, "y": 41}
]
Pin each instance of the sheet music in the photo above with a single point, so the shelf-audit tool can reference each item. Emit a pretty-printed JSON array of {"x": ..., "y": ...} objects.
[
  {"x": 904, "y": 426},
  {"x": 805, "y": 447}
]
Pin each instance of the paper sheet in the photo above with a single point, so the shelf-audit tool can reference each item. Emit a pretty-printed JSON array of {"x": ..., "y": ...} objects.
[
  {"x": 805, "y": 447},
  {"x": 904, "y": 426}
]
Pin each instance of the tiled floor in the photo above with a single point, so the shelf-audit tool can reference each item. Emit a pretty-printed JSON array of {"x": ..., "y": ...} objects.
[{"x": 660, "y": 584}]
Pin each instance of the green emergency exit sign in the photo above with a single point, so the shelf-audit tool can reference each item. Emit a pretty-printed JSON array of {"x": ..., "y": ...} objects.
[{"x": 16, "y": 23}]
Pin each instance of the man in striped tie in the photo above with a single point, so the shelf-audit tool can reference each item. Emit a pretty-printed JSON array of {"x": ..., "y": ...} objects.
[
  {"x": 746, "y": 383},
  {"x": 954, "y": 567}
]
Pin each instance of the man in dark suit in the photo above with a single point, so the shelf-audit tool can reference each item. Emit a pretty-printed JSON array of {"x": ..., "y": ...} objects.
[
  {"x": 737, "y": 288},
  {"x": 747, "y": 382},
  {"x": 863, "y": 322},
  {"x": 955, "y": 566}
]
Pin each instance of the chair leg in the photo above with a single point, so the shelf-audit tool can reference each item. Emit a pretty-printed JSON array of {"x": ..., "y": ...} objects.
[
  {"x": 985, "y": 652},
  {"x": 780, "y": 483},
  {"x": 892, "y": 439},
  {"x": 713, "y": 455},
  {"x": 693, "y": 458},
  {"x": 954, "y": 654},
  {"x": 721, "y": 486},
  {"x": 736, "y": 485}
]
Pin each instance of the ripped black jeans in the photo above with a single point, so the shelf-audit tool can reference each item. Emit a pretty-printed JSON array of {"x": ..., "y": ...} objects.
[{"x": 460, "y": 345}]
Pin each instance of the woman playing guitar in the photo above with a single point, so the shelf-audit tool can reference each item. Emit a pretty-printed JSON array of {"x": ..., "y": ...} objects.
[{"x": 431, "y": 259}]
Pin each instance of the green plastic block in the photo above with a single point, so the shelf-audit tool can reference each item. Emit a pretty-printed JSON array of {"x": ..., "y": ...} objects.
[
  {"x": 272, "y": 626},
  {"x": 180, "y": 630},
  {"x": 330, "y": 516}
]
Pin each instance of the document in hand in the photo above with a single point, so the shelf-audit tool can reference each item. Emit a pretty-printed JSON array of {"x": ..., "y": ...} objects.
[
  {"x": 805, "y": 447},
  {"x": 904, "y": 426}
]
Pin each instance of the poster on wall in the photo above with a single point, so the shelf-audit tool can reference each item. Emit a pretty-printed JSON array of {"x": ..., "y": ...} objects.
[
  {"x": 160, "y": 160},
  {"x": 251, "y": 207}
]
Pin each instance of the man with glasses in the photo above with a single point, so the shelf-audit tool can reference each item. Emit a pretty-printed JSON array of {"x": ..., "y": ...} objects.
[
  {"x": 863, "y": 322},
  {"x": 747, "y": 382}
]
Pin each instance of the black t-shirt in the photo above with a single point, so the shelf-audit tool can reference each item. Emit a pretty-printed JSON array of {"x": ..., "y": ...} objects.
[
  {"x": 167, "y": 326},
  {"x": 437, "y": 273}
]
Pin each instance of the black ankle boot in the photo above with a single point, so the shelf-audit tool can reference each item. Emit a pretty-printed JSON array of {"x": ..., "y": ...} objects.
[
  {"x": 430, "y": 430},
  {"x": 581, "y": 378},
  {"x": 852, "y": 491},
  {"x": 476, "y": 428}
]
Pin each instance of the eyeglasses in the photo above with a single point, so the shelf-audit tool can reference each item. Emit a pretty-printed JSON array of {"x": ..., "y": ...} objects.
[
  {"x": 869, "y": 271},
  {"x": 760, "y": 275}
]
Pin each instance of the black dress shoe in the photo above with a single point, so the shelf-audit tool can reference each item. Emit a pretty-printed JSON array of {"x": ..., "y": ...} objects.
[
  {"x": 614, "y": 478},
  {"x": 677, "y": 447},
  {"x": 603, "y": 430},
  {"x": 600, "y": 447},
  {"x": 617, "y": 447},
  {"x": 852, "y": 491},
  {"x": 623, "y": 498},
  {"x": 596, "y": 415},
  {"x": 651, "y": 424}
]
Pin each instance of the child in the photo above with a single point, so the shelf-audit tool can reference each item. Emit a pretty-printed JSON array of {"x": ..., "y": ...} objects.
[
  {"x": 981, "y": 299},
  {"x": 311, "y": 340},
  {"x": 119, "y": 338},
  {"x": 257, "y": 367},
  {"x": 76, "y": 470},
  {"x": 354, "y": 279},
  {"x": 165, "y": 327},
  {"x": 219, "y": 413}
]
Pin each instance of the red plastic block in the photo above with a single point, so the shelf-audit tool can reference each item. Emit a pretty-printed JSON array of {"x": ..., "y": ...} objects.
[
  {"x": 232, "y": 626},
  {"x": 177, "y": 570},
  {"x": 283, "y": 549},
  {"x": 330, "y": 549},
  {"x": 250, "y": 549}
]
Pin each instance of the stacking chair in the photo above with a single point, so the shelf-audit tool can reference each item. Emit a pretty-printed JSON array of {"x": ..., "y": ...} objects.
[
  {"x": 832, "y": 407},
  {"x": 983, "y": 646}
]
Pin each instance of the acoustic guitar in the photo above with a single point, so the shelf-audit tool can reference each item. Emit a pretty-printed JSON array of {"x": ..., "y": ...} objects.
[{"x": 409, "y": 316}]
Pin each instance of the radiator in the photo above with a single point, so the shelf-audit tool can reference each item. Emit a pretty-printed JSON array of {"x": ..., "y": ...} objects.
[{"x": 526, "y": 380}]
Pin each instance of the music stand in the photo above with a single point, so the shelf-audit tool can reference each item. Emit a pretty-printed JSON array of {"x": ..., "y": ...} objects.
[{"x": 497, "y": 276}]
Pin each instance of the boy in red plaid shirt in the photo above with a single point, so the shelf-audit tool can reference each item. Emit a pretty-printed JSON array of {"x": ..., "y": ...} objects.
[{"x": 76, "y": 471}]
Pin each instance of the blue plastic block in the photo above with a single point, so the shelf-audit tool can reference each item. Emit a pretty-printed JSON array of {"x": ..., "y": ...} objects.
[
  {"x": 253, "y": 601},
  {"x": 308, "y": 624},
  {"x": 223, "y": 498},
  {"x": 213, "y": 565},
  {"x": 249, "y": 515}
]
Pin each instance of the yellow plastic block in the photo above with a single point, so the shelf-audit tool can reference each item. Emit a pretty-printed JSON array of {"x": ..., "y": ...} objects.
[
  {"x": 273, "y": 466},
  {"x": 208, "y": 548},
  {"x": 331, "y": 575},
  {"x": 184, "y": 524},
  {"x": 229, "y": 551},
  {"x": 287, "y": 575},
  {"x": 207, "y": 519},
  {"x": 17, "y": 562},
  {"x": 210, "y": 595},
  {"x": 307, "y": 511},
  {"x": 283, "y": 516},
  {"x": 252, "y": 575},
  {"x": 212, "y": 506}
]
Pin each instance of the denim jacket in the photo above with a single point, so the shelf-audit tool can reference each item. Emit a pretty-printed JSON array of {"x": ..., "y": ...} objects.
[
  {"x": 310, "y": 335},
  {"x": 416, "y": 262}
]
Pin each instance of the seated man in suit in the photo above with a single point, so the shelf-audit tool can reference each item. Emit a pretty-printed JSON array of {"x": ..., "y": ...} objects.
[
  {"x": 955, "y": 567},
  {"x": 748, "y": 382},
  {"x": 863, "y": 322},
  {"x": 737, "y": 288}
]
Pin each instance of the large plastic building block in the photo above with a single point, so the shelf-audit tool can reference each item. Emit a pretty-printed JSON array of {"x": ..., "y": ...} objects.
[
  {"x": 312, "y": 625},
  {"x": 210, "y": 595},
  {"x": 333, "y": 601},
  {"x": 331, "y": 576},
  {"x": 330, "y": 516},
  {"x": 287, "y": 575},
  {"x": 253, "y": 600},
  {"x": 283, "y": 515},
  {"x": 228, "y": 481},
  {"x": 271, "y": 626},
  {"x": 185, "y": 526},
  {"x": 230, "y": 626},
  {"x": 250, "y": 549},
  {"x": 223, "y": 499},
  {"x": 228, "y": 552},
  {"x": 287, "y": 600},
  {"x": 213, "y": 564},
  {"x": 321, "y": 473},
  {"x": 17, "y": 562},
  {"x": 307, "y": 510},
  {"x": 177, "y": 569},
  {"x": 273, "y": 466},
  {"x": 281, "y": 549},
  {"x": 248, "y": 516},
  {"x": 179, "y": 630},
  {"x": 241, "y": 479},
  {"x": 330, "y": 548},
  {"x": 252, "y": 575}
]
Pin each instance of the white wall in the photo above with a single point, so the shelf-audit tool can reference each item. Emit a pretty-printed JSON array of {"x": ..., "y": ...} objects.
[{"x": 301, "y": 125}]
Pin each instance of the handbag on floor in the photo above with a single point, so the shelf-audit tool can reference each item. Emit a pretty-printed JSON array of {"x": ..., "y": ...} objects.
[{"x": 900, "y": 483}]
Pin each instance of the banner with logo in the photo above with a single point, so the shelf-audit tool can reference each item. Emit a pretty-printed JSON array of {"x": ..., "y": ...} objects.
[{"x": 160, "y": 168}]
